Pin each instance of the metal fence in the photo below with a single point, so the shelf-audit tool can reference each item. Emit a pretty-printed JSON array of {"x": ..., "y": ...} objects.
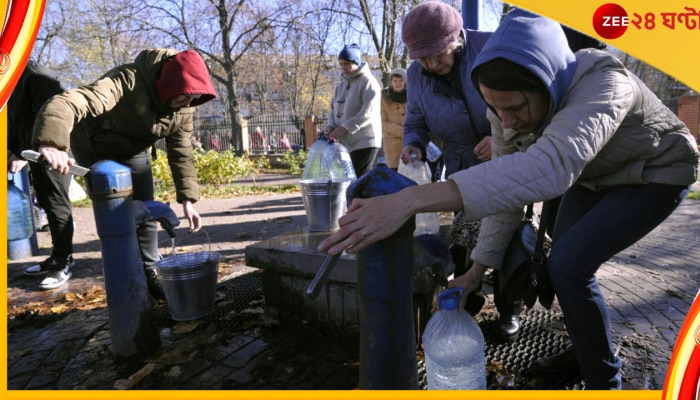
[
  {"x": 213, "y": 132},
  {"x": 266, "y": 133}
]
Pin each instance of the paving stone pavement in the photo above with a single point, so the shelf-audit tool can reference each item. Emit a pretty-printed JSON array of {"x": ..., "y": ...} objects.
[{"x": 649, "y": 286}]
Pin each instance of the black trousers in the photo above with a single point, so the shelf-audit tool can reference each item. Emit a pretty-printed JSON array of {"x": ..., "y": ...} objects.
[
  {"x": 364, "y": 159},
  {"x": 142, "y": 183},
  {"x": 51, "y": 190}
]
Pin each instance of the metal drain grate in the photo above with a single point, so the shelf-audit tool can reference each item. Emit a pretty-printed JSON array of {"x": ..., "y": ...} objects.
[
  {"x": 232, "y": 296},
  {"x": 541, "y": 334}
]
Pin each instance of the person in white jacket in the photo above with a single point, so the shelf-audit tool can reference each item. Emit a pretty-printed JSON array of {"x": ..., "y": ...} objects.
[
  {"x": 355, "y": 119},
  {"x": 579, "y": 125}
]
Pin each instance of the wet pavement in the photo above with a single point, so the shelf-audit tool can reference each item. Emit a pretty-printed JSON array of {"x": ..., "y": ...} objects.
[{"x": 60, "y": 339}]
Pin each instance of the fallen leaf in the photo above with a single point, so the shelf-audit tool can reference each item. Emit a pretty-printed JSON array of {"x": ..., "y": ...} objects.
[
  {"x": 268, "y": 320},
  {"x": 258, "y": 310},
  {"x": 187, "y": 326},
  {"x": 134, "y": 379},
  {"x": 58, "y": 309},
  {"x": 677, "y": 294}
]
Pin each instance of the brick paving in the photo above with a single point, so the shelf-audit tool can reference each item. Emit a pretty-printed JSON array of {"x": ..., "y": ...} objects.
[{"x": 650, "y": 287}]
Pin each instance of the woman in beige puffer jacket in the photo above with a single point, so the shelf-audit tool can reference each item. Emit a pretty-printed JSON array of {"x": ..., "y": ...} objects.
[{"x": 393, "y": 116}]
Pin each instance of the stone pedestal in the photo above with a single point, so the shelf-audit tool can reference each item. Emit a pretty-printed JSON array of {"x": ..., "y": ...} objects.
[{"x": 289, "y": 263}]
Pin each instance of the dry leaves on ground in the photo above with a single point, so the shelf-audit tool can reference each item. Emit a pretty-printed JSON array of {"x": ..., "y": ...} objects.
[{"x": 85, "y": 300}]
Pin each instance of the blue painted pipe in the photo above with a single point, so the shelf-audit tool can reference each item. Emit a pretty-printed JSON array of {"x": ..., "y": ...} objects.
[
  {"x": 385, "y": 292},
  {"x": 471, "y": 14},
  {"x": 132, "y": 328}
]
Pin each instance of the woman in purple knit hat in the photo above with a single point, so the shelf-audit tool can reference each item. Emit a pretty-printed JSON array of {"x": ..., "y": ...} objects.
[{"x": 443, "y": 104}]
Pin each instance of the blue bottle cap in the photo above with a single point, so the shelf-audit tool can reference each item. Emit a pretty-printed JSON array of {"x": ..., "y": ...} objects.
[{"x": 449, "y": 299}]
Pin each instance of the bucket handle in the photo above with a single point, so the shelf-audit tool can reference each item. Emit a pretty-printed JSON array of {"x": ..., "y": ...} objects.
[{"x": 172, "y": 241}]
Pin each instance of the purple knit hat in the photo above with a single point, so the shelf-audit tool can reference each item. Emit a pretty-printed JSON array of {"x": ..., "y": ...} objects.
[{"x": 429, "y": 28}]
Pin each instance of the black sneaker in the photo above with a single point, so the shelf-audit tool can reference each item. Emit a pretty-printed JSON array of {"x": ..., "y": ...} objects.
[
  {"x": 51, "y": 263},
  {"x": 559, "y": 365},
  {"x": 58, "y": 274},
  {"x": 155, "y": 288},
  {"x": 508, "y": 328}
]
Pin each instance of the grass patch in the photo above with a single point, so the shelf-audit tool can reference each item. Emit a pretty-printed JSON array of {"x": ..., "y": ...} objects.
[
  {"x": 84, "y": 203},
  {"x": 246, "y": 190},
  {"x": 694, "y": 195}
]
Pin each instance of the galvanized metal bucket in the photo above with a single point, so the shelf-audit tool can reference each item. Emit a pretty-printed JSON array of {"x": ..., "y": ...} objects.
[
  {"x": 324, "y": 203},
  {"x": 189, "y": 282}
]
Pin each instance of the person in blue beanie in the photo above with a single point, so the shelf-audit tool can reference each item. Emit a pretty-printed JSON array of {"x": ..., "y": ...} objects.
[
  {"x": 355, "y": 119},
  {"x": 577, "y": 125}
]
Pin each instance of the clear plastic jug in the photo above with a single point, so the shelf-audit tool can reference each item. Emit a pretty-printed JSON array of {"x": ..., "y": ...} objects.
[
  {"x": 336, "y": 158},
  {"x": 454, "y": 347},
  {"x": 314, "y": 168},
  {"x": 20, "y": 223},
  {"x": 328, "y": 160},
  {"x": 418, "y": 171}
]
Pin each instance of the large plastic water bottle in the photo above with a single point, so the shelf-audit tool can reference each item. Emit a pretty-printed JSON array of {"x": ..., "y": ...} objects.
[
  {"x": 454, "y": 347},
  {"x": 19, "y": 213},
  {"x": 337, "y": 159},
  {"x": 419, "y": 172},
  {"x": 314, "y": 167}
]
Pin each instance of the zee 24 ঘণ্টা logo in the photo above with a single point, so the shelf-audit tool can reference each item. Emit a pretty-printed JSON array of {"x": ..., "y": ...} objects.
[
  {"x": 611, "y": 20},
  {"x": 683, "y": 375}
]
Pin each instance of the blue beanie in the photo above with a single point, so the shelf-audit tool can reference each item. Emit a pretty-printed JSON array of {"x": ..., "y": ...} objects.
[{"x": 351, "y": 52}]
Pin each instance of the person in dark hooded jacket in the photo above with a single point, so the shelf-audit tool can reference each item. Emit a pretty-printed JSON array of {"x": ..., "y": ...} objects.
[
  {"x": 573, "y": 124},
  {"x": 120, "y": 116},
  {"x": 35, "y": 86}
]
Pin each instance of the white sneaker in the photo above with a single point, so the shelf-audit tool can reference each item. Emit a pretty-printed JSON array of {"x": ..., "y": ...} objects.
[
  {"x": 50, "y": 263},
  {"x": 56, "y": 279}
]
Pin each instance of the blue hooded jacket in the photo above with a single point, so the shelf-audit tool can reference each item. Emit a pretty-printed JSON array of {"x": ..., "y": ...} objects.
[
  {"x": 604, "y": 129},
  {"x": 549, "y": 58}
]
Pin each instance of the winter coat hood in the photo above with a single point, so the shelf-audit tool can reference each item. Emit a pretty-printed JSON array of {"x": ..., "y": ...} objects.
[
  {"x": 547, "y": 56},
  {"x": 185, "y": 73}
]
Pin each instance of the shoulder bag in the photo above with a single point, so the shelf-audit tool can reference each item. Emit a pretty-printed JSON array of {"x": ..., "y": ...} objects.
[{"x": 524, "y": 271}]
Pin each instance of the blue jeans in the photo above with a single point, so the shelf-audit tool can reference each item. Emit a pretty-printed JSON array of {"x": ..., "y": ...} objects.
[{"x": 591, "y": 227}]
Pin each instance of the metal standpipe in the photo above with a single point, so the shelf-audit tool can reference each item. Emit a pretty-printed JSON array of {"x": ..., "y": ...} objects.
[
  {"x": 131, "y": 323},
  {"x": 385, "y": 292}
]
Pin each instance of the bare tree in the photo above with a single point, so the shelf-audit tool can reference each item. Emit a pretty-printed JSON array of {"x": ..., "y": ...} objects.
[
  {"x": 82, "y": 40},
  {"x": 52, "y": 25},
  {"x": 223, "y": 32},
  {"x": 304, "y": 70},
  {"x": 264, "y": 55},
  {"x": 385, "y": 32}
]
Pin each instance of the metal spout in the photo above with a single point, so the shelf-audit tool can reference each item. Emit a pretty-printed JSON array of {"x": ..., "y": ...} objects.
[{"x": 156, "y": 211}]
